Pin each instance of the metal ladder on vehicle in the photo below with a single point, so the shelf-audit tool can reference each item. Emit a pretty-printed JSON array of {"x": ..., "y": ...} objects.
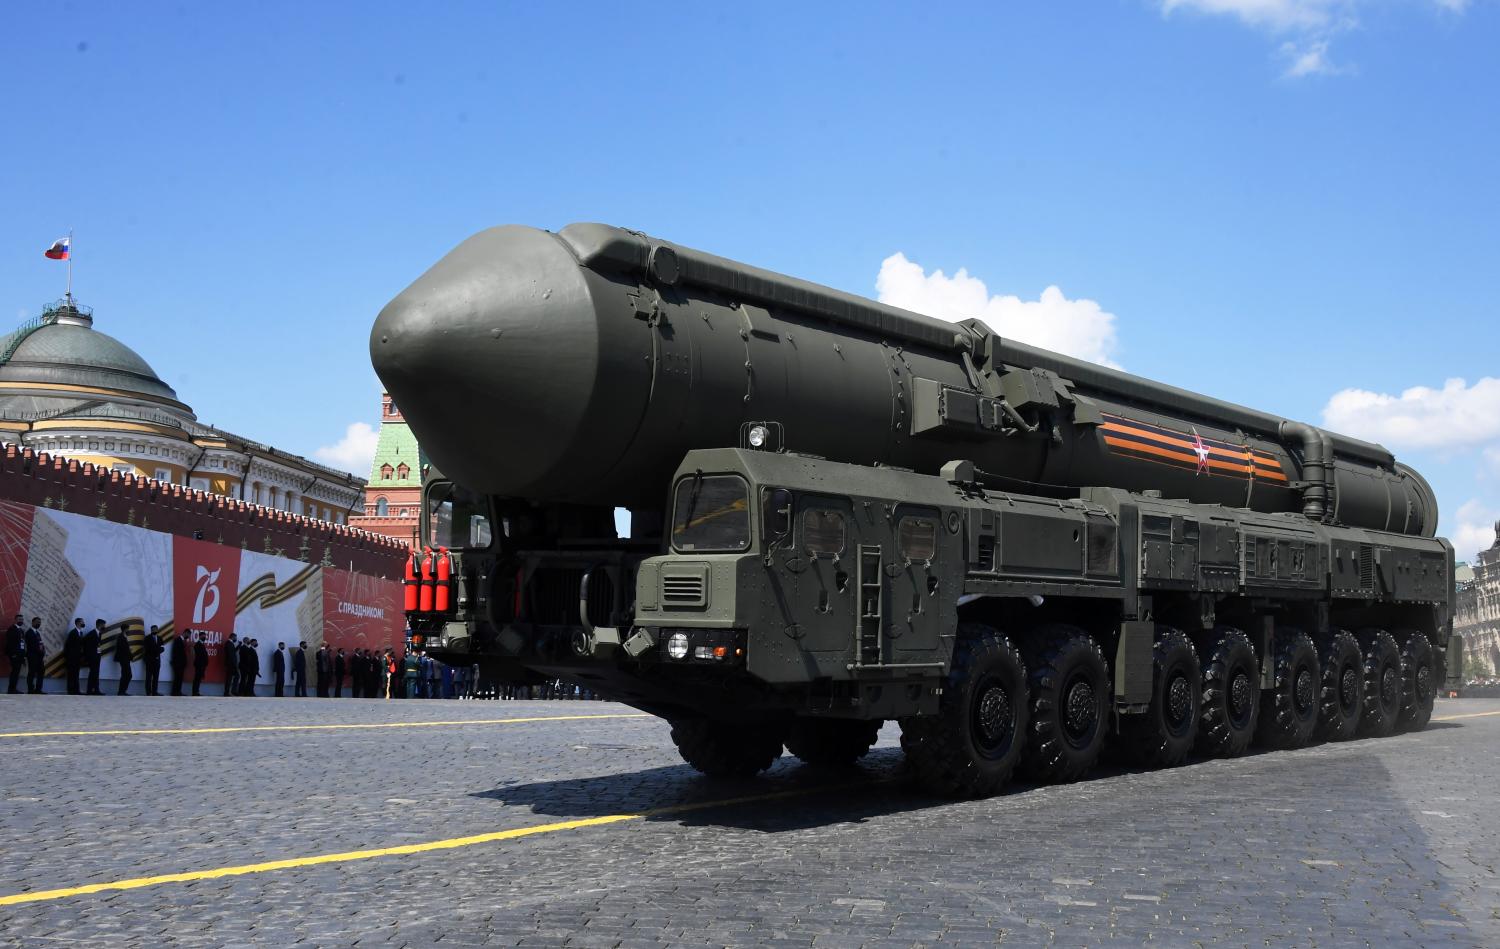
[{"x": 868, "y": 640}]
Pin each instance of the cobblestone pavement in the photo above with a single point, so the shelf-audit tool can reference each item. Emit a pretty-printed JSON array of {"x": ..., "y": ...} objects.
[{"x": 1390, "y": 841}]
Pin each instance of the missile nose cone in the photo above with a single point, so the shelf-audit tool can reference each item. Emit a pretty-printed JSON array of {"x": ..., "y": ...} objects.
[{"x": 493, "y": 356}]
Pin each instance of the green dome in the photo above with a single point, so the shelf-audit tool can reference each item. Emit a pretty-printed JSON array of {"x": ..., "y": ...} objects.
[{"x": 70, "y": 351}]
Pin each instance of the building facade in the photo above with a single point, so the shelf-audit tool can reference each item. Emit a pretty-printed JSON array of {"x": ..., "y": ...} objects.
[
  {"x": 1476, "y": 615},
  {"x": 68, "y": 390},
  {"x": 393, "y": 495}
]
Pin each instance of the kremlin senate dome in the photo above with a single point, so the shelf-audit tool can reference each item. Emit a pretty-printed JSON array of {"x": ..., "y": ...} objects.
[{"x": 70, "y": 390}]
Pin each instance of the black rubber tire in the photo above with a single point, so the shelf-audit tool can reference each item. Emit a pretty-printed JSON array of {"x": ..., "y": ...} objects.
[
  {"x": 970, "y": 748},
  {"x": 1342, "y": 696},
  {"x": 831, "y": 742},
  {"x": 1419, "y": 682},
  {"x": 1070, "y": 704},
  {"x": 1382, "y": 683},
  {"x": 1289, "y": 709},
  {"x": 726, "y": 749},
  {"x": 1231, "y": 694},
  {"x": 1164, "y": 735}
]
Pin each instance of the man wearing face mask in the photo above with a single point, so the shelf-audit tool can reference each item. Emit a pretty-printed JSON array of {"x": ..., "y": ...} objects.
[
  {"x": 36, "y": 657},
  {"x": 91, "y": 641},
  {"x": 73, "y": 654},
  {"x": 179, "y": 659},
  {"x": 122, "y": 658},
  {"x": 151, "y": 650}
]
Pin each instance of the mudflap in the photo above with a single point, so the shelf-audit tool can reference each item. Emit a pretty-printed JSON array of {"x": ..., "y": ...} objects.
[{"x": 1453, "y": 663}]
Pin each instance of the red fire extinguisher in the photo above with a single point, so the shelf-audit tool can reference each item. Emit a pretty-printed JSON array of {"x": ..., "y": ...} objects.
[
  {"x": 424, "y": 603},
  {"x": 443, "y": 596},
  {"x": 409, "y": 584}
]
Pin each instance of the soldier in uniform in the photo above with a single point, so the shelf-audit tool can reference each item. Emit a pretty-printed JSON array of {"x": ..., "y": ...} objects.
[
  {"x": 179, "y": 659},
  {"x": 91, "y": 641},
  {"x": 151, "y": 650},
  {"x": 15, "y": 651},
  {"x": 200, "y": 662},
  {"x": 36, "y": 657},
  {"x": 122, "y": 657},
  {"x": 411, "y": 674},
  {"x": 232, "y": 666},
  {"x": 299, "y": 671}
]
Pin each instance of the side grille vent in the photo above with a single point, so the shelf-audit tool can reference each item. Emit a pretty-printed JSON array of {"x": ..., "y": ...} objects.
[{"x": 684, "y": 585}]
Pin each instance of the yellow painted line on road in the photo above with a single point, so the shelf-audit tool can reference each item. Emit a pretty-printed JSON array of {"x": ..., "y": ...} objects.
[
  {"x": 1452, "y": 718},
  {"x": 452, "y": 843},
  {"x": 309, "y": 728}
]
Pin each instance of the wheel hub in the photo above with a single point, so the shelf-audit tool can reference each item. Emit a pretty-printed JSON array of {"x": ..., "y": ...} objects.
[
  {"x": 1390, "y": 686},
  {"x": 1082, "y": 710},
  {"x": 1240, "y": 696},
  {"x": 992, "y": 716},
  {"x": 1179, "y": 700},
  {"x": 1305, "y": 692},
  {"x": 1348, "y": 688}
]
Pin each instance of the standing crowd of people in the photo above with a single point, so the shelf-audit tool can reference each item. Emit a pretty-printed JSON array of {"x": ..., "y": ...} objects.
[{"x": 370, "y": 673}]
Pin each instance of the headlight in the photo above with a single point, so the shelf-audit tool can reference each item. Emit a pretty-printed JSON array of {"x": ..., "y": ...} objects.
[
  {"x": 757, "y": 437},
  {"x": 677, "y": 645}
]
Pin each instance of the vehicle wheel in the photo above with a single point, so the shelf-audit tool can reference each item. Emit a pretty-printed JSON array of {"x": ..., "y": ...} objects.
[
  {"x": 1418, "y": 683},
  {"x": 1342, "y": 696},
  {"x": 1289, "y": 709},
  {"x": 1070, "y": 695},
  {"x": 726, "y": 749},
  {"x": 1164, "y": 735},
  {"x": 831, "y": 742},
  {"x": 1231, "y": 695},
  {"x": 1382, "y": 675},
  {"x": 971, "y": 746}
]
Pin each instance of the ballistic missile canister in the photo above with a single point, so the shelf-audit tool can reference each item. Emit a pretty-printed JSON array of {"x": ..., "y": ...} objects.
[{"x": 580, "y": 366}]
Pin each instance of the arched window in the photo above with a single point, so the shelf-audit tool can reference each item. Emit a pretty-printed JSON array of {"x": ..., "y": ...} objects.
[
  {"x": 382, "y": 507},
  {"x": 402, "y": 470},
  {"x": 385, "y": 472}
]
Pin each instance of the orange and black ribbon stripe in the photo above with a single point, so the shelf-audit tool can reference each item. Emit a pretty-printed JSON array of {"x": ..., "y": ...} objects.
[{"x": 1154, "y": 443}]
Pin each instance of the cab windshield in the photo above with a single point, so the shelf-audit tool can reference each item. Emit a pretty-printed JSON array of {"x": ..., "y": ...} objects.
[
  {"x": 711, "y": 513},
  {"x": 456, "y": 518}
]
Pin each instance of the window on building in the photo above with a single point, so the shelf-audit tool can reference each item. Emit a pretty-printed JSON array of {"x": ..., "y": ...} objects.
[
  {"x": 385, "y": 472},
  {"x": 123, "y": 468},
  {"x": 200, "y": 484},
  {"x": 382, "y": 507},
  {"x": 164, "y": 474}
]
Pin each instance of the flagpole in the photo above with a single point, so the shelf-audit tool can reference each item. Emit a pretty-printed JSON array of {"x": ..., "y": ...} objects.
[{"x": 69, "y": 294}]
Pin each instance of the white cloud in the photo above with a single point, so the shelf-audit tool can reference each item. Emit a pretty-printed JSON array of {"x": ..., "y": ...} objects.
[
  {"x": 1078, "y": 328},
  {"x": 1308, "y": 59},
  {"x": 1456, "y": 416},
  {"x": 354, "y": 452},
  {"x": 1279, "y": 15},
  {"x": 1308, "y": 24},
  {"x": 1474, "y": 530}
]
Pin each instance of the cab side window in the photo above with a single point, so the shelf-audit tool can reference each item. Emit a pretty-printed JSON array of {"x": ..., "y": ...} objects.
[
  {"x": 823, "y": 531},
  {"x": 917, "y": 537}
]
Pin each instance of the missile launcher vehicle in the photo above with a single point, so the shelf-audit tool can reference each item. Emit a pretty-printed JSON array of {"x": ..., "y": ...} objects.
[{"x": 843, "y": 513}]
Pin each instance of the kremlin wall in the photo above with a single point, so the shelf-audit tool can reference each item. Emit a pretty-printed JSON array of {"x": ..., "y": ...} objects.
[{"x": 117, "y": 504}]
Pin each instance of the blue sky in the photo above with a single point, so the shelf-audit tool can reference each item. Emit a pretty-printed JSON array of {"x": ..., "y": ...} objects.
[{"x": 1286, "y": 203}]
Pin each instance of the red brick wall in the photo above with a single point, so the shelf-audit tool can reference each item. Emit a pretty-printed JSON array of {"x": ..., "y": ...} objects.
[{"x": 53, "y": 481}]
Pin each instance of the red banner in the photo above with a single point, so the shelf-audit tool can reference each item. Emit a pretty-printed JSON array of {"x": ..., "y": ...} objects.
[{"x": 205, "y": 581}]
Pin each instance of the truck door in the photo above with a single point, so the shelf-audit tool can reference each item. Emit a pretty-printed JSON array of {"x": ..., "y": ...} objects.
[{"x": 923, "y": 550}]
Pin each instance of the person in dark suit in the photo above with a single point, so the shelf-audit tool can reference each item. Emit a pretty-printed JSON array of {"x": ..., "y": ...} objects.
[
  {"x": 299, "y": 671},
  {"x": 340, "y": 666},
  {"x": 91, "y": 641},
  {"x": 151, "y": 650},
  {"x": 232, "y": 666},
  {"x": 73, "y": 654},
  {"x": 278, "y": 669},
  {"x": 249, "y": 666},
  {"x": 323, "y": 665},
  {"x": 36, "y": 657},
  {"x": 179, "y": 659},
  {"x": 15, "y": 651},
  {"x": 200, "y": 662},
  {"x": 122, "y": 657}
]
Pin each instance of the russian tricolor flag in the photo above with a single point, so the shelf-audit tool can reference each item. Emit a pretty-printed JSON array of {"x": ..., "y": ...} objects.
[{"x": 60, "y": 248}]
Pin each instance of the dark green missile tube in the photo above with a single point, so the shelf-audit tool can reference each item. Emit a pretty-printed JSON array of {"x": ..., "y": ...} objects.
[{"x": 580, "y": 366}]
